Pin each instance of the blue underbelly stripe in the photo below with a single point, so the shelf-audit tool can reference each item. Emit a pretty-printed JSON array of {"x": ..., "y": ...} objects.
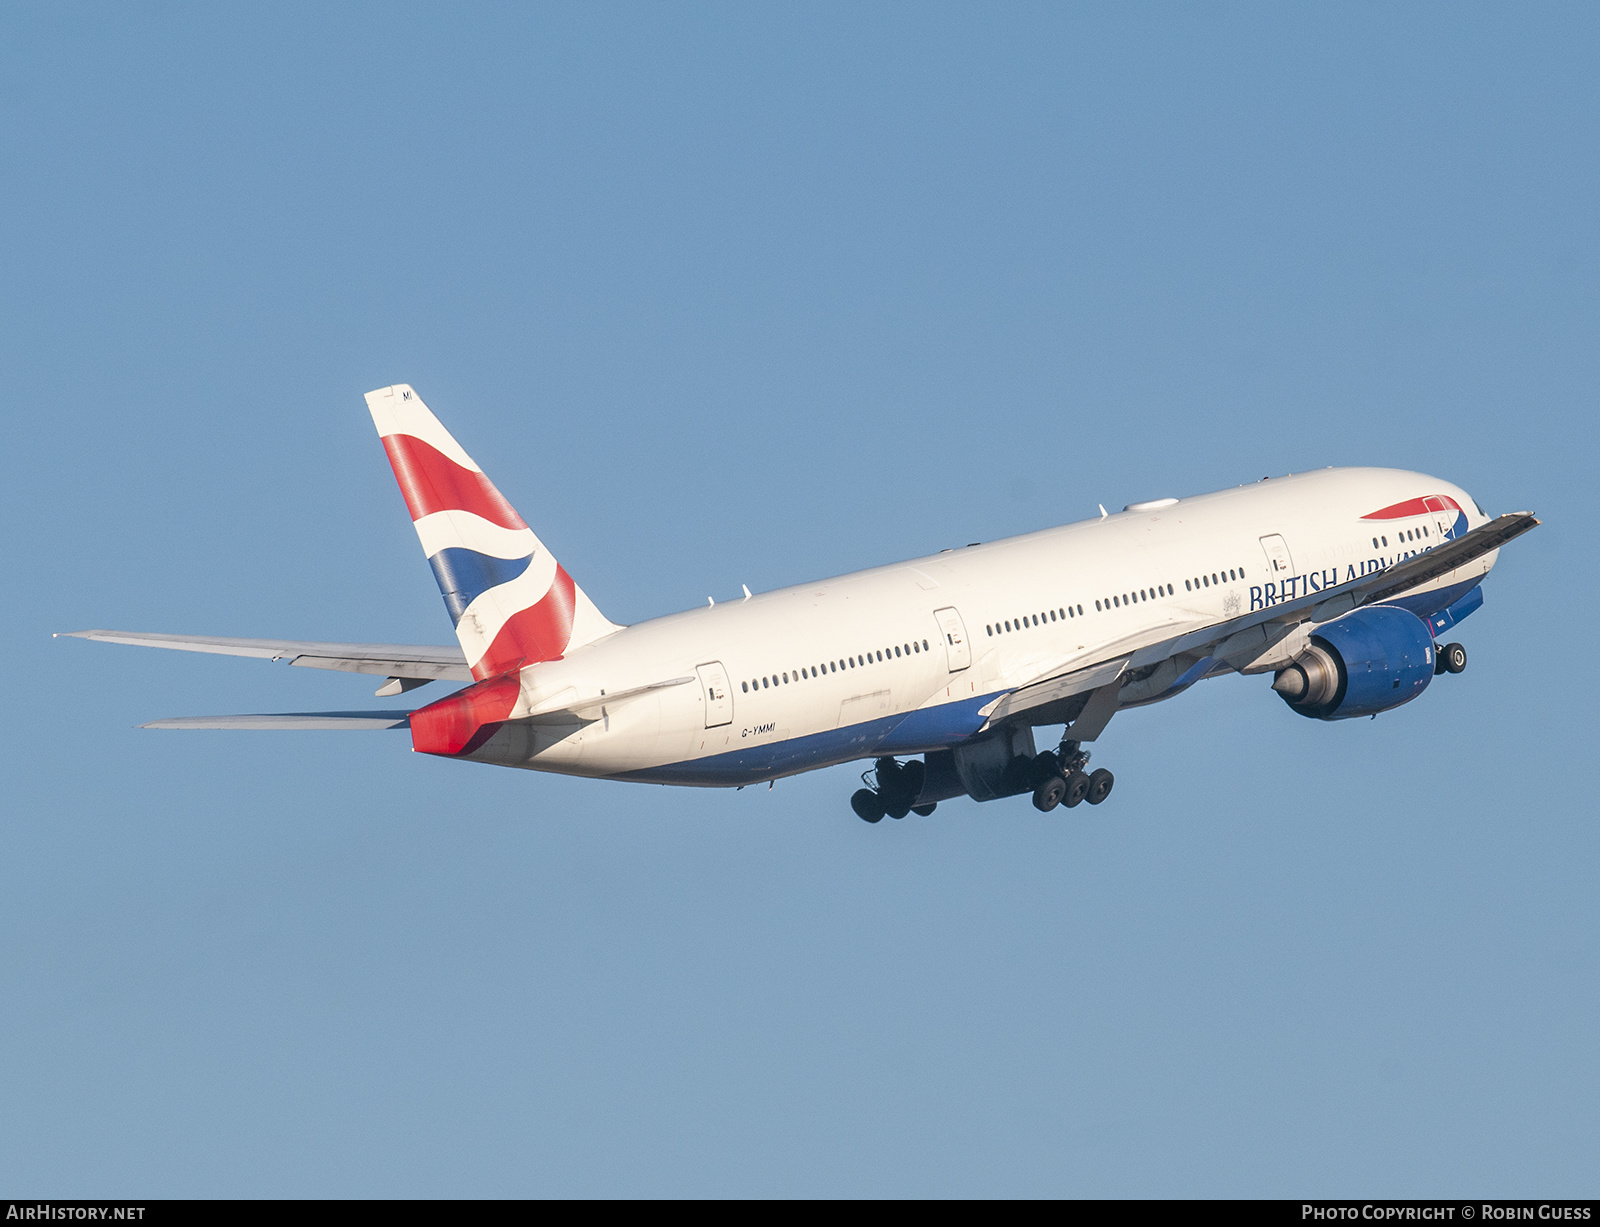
[
  {"x": 930, "y": 728},
  {"x": 1426, "y": 604}
]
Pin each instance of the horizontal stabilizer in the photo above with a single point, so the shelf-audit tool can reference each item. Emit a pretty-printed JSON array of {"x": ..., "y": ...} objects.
[
  {"x": 326, "y": 720},
  {"x": 428, "y": 661}
]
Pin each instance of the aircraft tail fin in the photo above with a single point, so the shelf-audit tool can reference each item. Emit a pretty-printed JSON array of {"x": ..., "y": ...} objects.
[{"x": 512, "y": 603}]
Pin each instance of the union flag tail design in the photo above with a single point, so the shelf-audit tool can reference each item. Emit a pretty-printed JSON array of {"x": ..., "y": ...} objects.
[{"x": 511, "y": 602}]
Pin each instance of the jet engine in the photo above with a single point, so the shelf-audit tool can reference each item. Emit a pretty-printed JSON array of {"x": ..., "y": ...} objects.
[{"x": 1361, "y": 664}]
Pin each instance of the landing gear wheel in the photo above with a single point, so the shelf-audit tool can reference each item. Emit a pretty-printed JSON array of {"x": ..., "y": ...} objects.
[
  {"x": 1077, "y": 789},
  {"x": 867, "y": 805},
  {"x": 1042, "y": 768},
  {"x": 1048, "y": 795},
  {"x": 1100, "y": 786},
  {"x": 922, "y": 811},
  {"x": 1454, "y": 657},
  {"x": 911, "y": 778}
]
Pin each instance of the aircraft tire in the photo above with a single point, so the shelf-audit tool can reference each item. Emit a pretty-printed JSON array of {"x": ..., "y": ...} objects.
[
  {"x": 1454, "y": 657},
  {"x": 922, "y": 811},
  {"x": 1100, "y": 786},
  {"x": 1048, "y": 795},
  {"x": 911, "y": 778},
  {"x": 1042, "y": 768},
  {"x": 867, "y": 805},
  {"x": 1077, "y": 789}
]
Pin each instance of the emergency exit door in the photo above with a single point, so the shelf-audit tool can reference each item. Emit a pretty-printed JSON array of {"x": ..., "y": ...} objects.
[
  {"x": 718, "y": 694},
  {"x": 1279, "y": 564},
  {"x": 956, "y": 647}
]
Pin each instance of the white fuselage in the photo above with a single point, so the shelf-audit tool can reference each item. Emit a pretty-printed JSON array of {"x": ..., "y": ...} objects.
[{"x": 867, "y": 663}]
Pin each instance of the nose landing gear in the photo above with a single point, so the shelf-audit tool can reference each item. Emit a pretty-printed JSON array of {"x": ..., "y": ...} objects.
[{"x": 1451, "y": 658}]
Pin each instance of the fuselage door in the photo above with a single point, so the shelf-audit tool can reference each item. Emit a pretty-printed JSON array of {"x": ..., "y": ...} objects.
[
  {"x": 1280, "y": 565},
  {"x": 955, "y": 638},
  {"x": 1444, "y": 519},
  {"x": 718, "y": 694}
]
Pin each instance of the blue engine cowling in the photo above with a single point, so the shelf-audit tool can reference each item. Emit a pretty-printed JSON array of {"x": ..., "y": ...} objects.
[{"x": 1361, "y": 664}]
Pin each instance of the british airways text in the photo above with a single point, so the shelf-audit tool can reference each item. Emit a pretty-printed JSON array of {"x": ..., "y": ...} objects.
[{"x": 1295, "y": 586}]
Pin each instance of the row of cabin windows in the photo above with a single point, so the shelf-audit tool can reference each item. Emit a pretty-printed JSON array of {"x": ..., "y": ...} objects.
[
  {"x": 1118, "y": 600},
  {"x": 1404, "y": 534},
  {"x": 1039, "y": 619},
  {"x": 835, "y": 666},
  {"x": 1134, "y": 597},
  {"x": 1216, "y": 578}
]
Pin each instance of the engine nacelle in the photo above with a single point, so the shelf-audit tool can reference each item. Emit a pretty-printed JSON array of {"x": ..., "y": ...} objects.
[
  {"x": 1361, "y": 664},
  {"x": 987, "y": 767}
]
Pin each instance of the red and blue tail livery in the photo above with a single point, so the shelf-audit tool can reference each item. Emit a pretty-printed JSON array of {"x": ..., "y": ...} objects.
[
  {"x": 512, "y": 603},
  {"x": 936, "y": 671}
]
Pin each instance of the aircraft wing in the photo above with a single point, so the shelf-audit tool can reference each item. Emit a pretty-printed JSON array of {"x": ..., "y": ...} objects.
[
  {"x": 422, "y": 661},
  {"x": 1249, "y": 633}
]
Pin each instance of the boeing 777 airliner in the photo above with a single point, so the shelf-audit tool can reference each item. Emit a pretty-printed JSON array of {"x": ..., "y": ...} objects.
[{"x": 937, "y": 670}]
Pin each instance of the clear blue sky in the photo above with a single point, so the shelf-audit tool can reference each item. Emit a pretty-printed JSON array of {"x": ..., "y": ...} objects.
[{"x": 755, "y": 295}]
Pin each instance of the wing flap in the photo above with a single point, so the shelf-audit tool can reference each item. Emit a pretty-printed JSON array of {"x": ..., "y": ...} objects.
[{"x": 1051, "y": 689}]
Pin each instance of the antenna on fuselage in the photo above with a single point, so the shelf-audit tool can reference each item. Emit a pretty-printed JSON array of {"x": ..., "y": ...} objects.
[{"x": 1103, "y": 512}]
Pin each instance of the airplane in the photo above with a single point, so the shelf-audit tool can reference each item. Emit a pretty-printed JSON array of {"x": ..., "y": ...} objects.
[{"x": 936, "y": 671}]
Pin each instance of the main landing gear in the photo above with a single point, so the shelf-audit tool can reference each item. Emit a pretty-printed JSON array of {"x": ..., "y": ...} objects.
[
  {"x": 898, "y": 787},
  {"x": 1060, "y": 779},
  {"x": 1451, "y": 658}
]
